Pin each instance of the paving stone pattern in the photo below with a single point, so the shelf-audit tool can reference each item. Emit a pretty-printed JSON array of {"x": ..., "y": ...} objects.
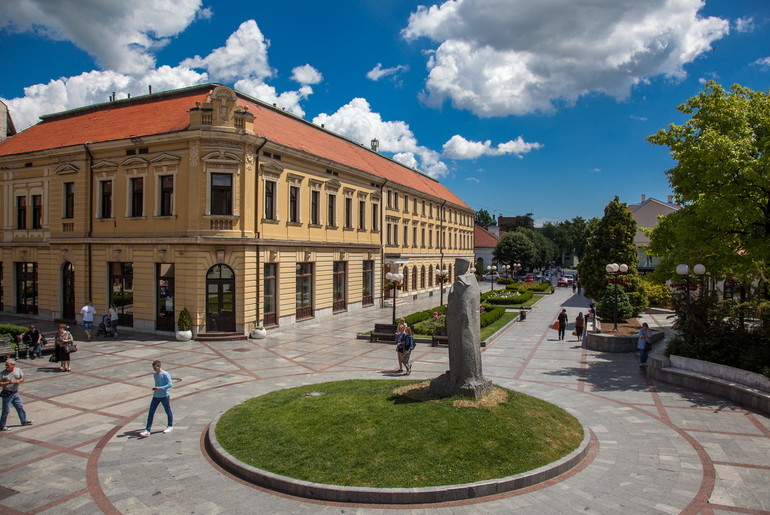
[{"x": 657, "y": 448}]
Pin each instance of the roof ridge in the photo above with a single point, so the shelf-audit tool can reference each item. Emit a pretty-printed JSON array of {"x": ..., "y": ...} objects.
[{"x": 123, "y": 102}]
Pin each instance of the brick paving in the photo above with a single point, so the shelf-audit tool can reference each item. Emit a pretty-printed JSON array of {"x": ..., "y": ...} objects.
[{"x": 656, "y": 448}]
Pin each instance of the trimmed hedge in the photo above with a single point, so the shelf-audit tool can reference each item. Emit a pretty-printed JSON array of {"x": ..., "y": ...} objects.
[{"x": 12, "y": 331}]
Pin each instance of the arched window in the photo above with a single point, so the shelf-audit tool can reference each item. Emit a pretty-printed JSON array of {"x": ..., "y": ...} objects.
[{"x": 422, "y": 277}]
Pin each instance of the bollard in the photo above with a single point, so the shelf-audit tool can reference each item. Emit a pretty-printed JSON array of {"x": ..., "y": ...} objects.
[{"x": 522, "y": 315}]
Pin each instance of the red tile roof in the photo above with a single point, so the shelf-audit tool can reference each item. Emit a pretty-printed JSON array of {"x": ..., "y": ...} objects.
[
  {"x": 168, "y": 112},
  {"x": 483, "y": 237}
]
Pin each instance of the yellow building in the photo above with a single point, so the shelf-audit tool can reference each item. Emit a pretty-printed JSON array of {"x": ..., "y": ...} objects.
[{"x": 208, "y": 199}]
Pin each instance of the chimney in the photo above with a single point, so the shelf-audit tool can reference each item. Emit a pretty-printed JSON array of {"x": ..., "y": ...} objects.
[
  {"x": 643, "y": 197},
  {"x": 670, "y": 199}
]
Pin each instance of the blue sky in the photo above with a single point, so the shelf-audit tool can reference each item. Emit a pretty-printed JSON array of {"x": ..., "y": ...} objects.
[{"x": 517, "y": 106}]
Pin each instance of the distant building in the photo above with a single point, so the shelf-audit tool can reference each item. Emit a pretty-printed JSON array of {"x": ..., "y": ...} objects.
[
  {"x": 207, "y": 199},
  {"x": 6, "y": 122},
  {"x": 486, "y": 242},
  {"x": 646, "y": 214}
]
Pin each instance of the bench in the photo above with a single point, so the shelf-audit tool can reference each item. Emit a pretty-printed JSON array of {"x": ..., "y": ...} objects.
[
  {"x": 440, "y": 337},
  {"x": 385, "y": 332}
]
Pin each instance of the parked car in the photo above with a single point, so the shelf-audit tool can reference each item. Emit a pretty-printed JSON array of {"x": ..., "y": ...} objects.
[
  {"x": 570, "y": 278},
  {"x": 529, "y": 278},
  {"x": 562, "y": 281},
  {"x": 492, "y": 277}
]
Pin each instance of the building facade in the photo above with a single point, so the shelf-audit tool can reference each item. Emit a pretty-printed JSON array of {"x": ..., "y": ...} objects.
[
  {"x": 646, "y": 214},
  {"x": 206, "y": 199}
]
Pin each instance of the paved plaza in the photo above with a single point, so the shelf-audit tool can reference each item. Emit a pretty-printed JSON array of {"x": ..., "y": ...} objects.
[{"x": 655, "y": 448}]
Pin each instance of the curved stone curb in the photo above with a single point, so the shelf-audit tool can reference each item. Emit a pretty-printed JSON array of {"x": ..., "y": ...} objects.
[{"x": 363, "y": 495}]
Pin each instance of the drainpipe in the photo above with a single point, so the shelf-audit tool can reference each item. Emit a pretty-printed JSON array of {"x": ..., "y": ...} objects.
[
  {"x": 382, "y": 245},
  {"x": 258, "y": 223},
  {"x": 443, "y": 240},
  {"x": 90, "y": 218}
]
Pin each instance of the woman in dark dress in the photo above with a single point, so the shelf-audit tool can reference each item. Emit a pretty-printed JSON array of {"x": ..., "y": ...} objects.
[{"x": 62, "y": 341}]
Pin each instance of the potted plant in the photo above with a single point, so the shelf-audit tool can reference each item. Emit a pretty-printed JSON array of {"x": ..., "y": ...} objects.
[
  {"x": 184, "y": 326},
  {"x": 259, "y": 332}
]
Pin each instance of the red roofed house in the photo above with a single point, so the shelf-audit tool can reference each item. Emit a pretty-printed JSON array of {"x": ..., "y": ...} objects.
[
  {"x": 485, "y": 245},
  {"x": 206, "y": 199}
]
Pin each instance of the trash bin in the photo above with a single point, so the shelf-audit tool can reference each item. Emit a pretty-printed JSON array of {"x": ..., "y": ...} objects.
[{"x": 522, "y": 315}]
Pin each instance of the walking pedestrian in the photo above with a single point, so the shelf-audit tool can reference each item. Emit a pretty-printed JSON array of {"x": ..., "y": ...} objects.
[
  {"x": 10, "y": 379},
  {"x": 159, "y": 396},
  {"x": 400, "y": 332},
  {"x": 579, "y": 287},
  {"x": 579, "y": 325},
  {"x": 88, "y": 312},
  {"x": 562, "y": 318},
  {"x": 645, "y": 344}
]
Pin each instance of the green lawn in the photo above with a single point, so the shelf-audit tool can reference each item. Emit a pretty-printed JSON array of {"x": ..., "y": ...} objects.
[{"x": 363, "y": 433}]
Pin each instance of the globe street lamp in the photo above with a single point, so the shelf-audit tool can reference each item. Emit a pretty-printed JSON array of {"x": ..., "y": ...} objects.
[
  {"x": 506, "y": 269},
  {"x": 491, "y": 270},
  {"x": 394, "y": 284},
  {"x": 615, "y": 270},
  {"x": 441, "y": 277},
  {"x": 684, "y": 272}
]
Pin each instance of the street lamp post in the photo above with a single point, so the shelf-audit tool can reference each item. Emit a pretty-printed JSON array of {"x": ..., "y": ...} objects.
[
  {"x": 441, "y": 277},
  {"x": 615, "y": 270},
  {"x": 395, "y": 279},
  {"x": 491, "y": 270},
  {"x": 684, "y": 272},
  {"x": 506, "y": 269}
]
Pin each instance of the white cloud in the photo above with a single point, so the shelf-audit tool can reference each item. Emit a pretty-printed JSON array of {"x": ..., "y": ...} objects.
[
  {"x": 745, "y": 24},
  {"x": 501, "y": 57},
  {"x": 121, "y": 36},
  {"x": 638, "y": 118},
  {"x": 357, "y": 121},
  {"x": 460, "y": 148},
  {"x": 764, "y": 62},
  {"x": 306, "y": 74},
  {"x": 244, "y": 56},
  {"x": 288, "y": 100},
  {"x": 472, "y": 179},
  {"x": 379, "y": 72},
  {"x": 92, "y": 88}
]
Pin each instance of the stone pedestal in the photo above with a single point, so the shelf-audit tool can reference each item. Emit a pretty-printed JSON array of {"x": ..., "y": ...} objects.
[{"x": 464, "y": 376}]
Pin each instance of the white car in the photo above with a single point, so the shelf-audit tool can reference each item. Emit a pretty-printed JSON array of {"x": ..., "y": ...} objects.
[{"x": 491, "y": 277}]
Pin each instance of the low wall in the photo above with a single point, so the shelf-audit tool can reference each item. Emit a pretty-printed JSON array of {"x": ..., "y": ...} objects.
[
  {"x": 740, "y": 386},
  {"x": 607, "y": 342}
]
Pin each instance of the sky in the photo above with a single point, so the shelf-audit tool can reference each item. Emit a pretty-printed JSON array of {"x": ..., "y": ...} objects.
[{"x": 518, "y": 106}]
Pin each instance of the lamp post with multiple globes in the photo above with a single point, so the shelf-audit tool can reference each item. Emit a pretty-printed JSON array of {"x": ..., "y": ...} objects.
[
  {"x": 684, "y": 272},
  {"x": 491, "y": 270},
  {"x": 441, "y": 277},
  {"x": 393, "y": 284},
  {"x": 615, "y": 270}
]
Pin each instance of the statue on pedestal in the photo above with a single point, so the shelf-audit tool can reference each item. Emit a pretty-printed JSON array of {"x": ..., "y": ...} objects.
[{"x": 464, "y": 376}]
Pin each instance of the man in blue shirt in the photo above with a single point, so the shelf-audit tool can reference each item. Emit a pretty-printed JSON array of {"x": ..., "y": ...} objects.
[
  {"x": 33, "y": 338},
  {"x": 159, "y": 396}
]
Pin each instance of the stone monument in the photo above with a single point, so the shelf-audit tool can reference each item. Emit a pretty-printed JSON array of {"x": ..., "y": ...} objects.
[{"x": 464, "y": 376}]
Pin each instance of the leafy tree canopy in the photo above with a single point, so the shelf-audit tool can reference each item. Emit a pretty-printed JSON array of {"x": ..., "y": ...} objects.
[
  {"x": 612, "y": 241},
  {"x": 722, "y": 180},
  {"x": 483, "y": 218},
  {"x": 511, "y": 223},
  {"x": 515, "y": 247}
]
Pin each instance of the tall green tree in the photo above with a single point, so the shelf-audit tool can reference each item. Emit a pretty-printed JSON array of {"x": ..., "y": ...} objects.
[
  {"x": 722, "y": 181},
  {"x": 612, "y": 242},
  {"x": 483, "y": 218},
  {"x": 514, "y": 222},
  {"x": 515, "y": 247}
]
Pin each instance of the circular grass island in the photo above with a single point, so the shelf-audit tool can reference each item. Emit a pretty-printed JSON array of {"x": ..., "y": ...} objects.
[{"x": 391, "y": 441}]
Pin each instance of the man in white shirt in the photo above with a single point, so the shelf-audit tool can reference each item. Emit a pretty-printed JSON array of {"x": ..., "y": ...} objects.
[{"x": 88, "y": 312}]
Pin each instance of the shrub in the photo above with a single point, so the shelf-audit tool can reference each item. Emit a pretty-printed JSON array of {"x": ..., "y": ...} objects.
[
  {"x": 184, "y": 322},
  {"x": 606, "y": 305},
  {"x": 11, "y": 330},
  {"x": 659, "y": 295},
  {"x": 507, "y": 297}
]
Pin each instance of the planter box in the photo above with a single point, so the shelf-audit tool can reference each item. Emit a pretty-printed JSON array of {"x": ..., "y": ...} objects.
[{"x": 604, "y": 342}]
